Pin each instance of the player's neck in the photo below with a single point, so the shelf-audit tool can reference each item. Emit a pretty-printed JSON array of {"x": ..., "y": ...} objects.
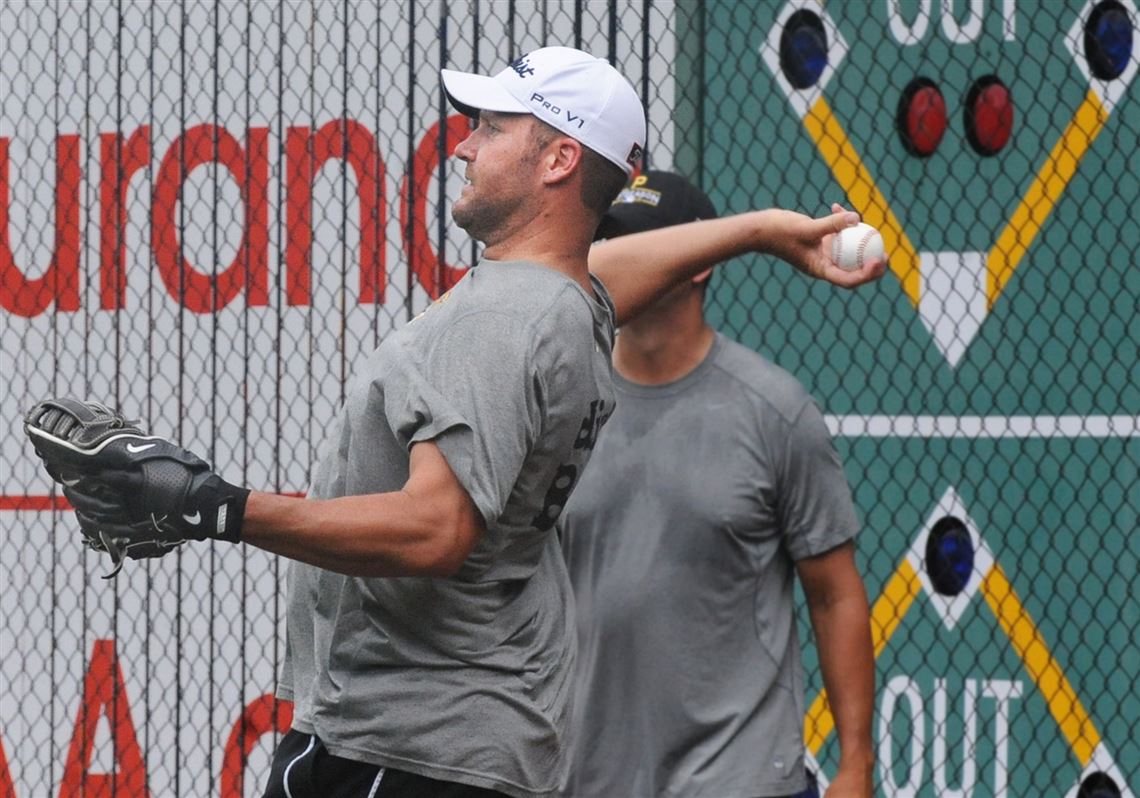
[
  {"x": 548, "y": 242},
  {"x": 663, "y": 345}
]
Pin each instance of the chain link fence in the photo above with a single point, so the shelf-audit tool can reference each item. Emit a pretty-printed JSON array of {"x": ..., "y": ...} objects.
[{"x": 209, "y": 212}]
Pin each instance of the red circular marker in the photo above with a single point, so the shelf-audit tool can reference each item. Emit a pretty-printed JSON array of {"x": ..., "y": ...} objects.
[
  {"x": 989, "y": 115},
  {"x": 926, "y": 119},
  {"x": 922, "y": 117}
]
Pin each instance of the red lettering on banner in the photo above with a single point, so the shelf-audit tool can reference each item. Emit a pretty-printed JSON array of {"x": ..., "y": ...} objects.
[
  {"x": 200, "y": 145},
  {"x": 264, "y": 715},
  {"x": 305, "y": 154},
  {"x": 118, "y": 162},
  {"x": 104, "y": 694},
  {"x": 60, "y": 283},
  {"x": 7, "y": 786},
  {"x": 434, "y": 275}
]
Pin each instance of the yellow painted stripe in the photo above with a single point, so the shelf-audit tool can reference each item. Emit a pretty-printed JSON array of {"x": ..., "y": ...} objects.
[
  {"x": 886, "y": 616},
  {"x": 1043, "y": 194},
  {"x": 863, "y": 194},
  {"x": 893, "y": 604},
  {"x": 1063, "y": 702}
]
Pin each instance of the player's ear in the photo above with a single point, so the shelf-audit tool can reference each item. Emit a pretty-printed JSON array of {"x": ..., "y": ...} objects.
[{"x": 561, "y": 158}]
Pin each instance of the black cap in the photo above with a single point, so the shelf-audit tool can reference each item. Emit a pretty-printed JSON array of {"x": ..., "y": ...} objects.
[{"x": 655, "y": 199}]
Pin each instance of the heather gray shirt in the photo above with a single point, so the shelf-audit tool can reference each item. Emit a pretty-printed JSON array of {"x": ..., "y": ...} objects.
[
  {"x": 463, "y": 679},
  {"x": 680, "y": 541}
]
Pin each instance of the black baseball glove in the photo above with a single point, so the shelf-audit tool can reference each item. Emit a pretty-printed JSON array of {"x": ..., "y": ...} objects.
[{"x": 135, "y": 495}]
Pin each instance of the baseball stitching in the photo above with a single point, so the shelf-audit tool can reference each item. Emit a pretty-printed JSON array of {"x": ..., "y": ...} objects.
[
  {"x": 860, "y": 249},
  {"x": 866, "y": 239}
]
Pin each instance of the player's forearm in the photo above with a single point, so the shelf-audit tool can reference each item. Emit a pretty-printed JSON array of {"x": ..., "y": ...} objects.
[
  {"x": 843, "y": 638},
  {"x": 638, "y": 268},
  {"x": 386, "y": 534}
]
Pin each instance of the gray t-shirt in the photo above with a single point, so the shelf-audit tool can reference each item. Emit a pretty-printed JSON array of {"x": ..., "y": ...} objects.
[
  {"x": 463, "y": 679},
  {"x": 680, "y": 541}
]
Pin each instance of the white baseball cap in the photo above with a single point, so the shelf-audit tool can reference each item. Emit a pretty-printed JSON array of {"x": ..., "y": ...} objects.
[{"x": 572, "y": 91}]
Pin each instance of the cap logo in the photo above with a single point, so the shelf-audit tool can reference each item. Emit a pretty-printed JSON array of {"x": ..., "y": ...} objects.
[
  {"x": 546, "y": 105},
  {"x": 637, "y": 194},
  {"x": 521, "y": 66},
  {"x": 634, "y": 154}
]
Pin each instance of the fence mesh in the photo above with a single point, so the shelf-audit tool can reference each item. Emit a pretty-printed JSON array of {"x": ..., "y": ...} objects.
[{"x": 210, "y": 212}]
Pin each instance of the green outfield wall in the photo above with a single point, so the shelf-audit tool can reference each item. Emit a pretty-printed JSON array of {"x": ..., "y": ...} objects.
[{"x": 992, "y": 377}]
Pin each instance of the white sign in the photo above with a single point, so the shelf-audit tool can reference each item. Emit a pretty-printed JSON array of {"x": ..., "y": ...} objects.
[{"x": 208, "y": 213}]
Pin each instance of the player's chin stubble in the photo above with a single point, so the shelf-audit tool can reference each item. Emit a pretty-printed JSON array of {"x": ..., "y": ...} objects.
[
  {"x": 466, "y": 219},
  {"x": 481, "y": 220}
]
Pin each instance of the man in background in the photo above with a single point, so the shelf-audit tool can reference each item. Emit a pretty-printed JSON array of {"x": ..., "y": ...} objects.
[{"x": 713, "y": 481}]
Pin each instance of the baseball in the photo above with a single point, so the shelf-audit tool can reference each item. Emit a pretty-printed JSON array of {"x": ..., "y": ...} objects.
[{"x": 853, "y": 247}]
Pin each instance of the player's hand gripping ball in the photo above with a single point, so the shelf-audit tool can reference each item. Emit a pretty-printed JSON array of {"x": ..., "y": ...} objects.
[{"x": 856, "y": 246}]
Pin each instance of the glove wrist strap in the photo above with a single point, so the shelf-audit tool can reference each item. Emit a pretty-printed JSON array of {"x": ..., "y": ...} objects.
[
  {"x": 222, "y": 505},
  {"x": 231, "y": 515}
]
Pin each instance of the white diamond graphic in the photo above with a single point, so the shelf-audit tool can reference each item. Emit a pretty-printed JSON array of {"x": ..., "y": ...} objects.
[
  {"x": 951, "y": 608},
  {"x": 1110, "y": 92},
  {"x": 1102, "y": 762},
  {"x": 803, "y": 99}
]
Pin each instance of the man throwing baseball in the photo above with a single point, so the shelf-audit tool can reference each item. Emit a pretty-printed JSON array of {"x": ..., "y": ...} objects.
[{"x": 430, "y": 651}]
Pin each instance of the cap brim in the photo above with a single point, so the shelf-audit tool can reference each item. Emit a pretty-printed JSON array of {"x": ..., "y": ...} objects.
[{"x": 471, "y": 94}]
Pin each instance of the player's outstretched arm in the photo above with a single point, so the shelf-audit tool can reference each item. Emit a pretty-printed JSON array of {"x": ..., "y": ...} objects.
[
  {"x": 639, "y": 268},
  {"x": 426, "y": 529},
  {"x": 137, "y": 495}
]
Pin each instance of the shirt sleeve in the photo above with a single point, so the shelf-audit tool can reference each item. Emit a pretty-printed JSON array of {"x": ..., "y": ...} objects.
[
  {"x": 815, "y": 506},
  {"x": 474, "y": 392}
]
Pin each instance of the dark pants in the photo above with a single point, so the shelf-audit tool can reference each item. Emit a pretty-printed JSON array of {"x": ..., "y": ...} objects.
[{"x": 303, "y": 768}]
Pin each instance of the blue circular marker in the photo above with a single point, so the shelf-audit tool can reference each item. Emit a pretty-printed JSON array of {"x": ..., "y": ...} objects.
[
  {"x": 803, "y": 49},
  {"x": 1108, "y": 40},
  {"x": 949, "y": 556},
  {"x": 1098, "y": 785}
]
